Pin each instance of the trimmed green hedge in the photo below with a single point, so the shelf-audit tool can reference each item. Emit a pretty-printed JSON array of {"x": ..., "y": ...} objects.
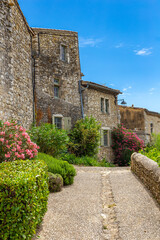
[
  {"x": 23, "y": 198},
  {"x": 66, "y": 170}
]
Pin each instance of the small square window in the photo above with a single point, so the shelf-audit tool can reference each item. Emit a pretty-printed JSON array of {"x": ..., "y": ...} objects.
[
  {"x": 102, "y": 104},
  {"x": 63, "y": 51},
  {"x": 58, "y": 122},
  {"x": 56, "y": 92},
  {"x": 151, "y": 126}
]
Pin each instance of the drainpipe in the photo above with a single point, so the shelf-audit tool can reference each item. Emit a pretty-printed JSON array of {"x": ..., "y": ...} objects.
[
  {"x": 81, "y": 97},
  {"x": 33, "y": 80}
]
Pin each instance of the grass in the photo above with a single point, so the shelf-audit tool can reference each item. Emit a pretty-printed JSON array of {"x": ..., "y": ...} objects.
[{"x": 85, "y": 161}]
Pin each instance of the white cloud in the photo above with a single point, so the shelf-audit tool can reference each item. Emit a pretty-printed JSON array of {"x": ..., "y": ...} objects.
[
  {"x": 89, "y": 42},
  {"x": 124, "y": 89},
  {"x": 129, "y": 87},
  {"x": 143, "y": 51},
  {"x": 120, "y": 45},
  {"x": 111, "y": 84},
  {"x": 152, "y": 89}
]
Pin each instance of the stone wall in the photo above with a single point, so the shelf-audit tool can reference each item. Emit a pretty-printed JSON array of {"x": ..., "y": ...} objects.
[
  {"x": 16, "y": 76},
  {"x": 132, "y": 118},
  {"x": 148, "y": 172},
  {"x": 49, "y": 66},
  {"x": 92, "y": 107},
  {"x": 155, "y": 120}
]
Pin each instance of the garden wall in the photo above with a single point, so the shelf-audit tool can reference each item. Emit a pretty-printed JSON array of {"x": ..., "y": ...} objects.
[{"x": 149, "y": 173}]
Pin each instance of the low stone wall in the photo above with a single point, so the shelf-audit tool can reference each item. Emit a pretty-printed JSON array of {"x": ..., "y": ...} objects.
[{"x": 149, "y": 173}]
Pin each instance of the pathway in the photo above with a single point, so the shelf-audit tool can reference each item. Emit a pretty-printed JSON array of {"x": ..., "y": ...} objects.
[{"x": 103, "y": 203}]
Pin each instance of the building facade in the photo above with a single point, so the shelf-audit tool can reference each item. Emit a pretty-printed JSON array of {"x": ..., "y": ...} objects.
[
  {"x": 142, "y": 121},
  {"x": 40, "y": 78}
]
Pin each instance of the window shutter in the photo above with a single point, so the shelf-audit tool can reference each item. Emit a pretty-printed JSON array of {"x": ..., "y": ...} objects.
[
  {"x": 53, "y": 121},
  {"x": 110, "y": 138},
  {"x": 102, "y": 137},
  {"x": 60, "y": 52},
  {"x": 67, "y": 123}
]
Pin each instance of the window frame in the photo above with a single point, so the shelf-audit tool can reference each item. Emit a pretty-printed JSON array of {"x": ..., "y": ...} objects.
[
  {"x": 102, "y": 105},
  {"x": 63, "y": 52},
  {"x": 55, "y": 122}
]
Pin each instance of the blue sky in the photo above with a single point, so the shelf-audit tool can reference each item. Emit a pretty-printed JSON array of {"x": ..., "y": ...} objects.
[{"x": 119, "y": 42}]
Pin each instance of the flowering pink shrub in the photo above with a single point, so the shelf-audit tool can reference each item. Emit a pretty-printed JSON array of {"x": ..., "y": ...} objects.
[
  {"x": 15, "y": 143},
  {"x": 124, "y": 143}
]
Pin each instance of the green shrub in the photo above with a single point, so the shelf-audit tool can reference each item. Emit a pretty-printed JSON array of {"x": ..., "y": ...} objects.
[
  {"x": 51, "y": 140},
  {"x": 85, "y": 137},
  {"x": 85, "y": 161},
  {"x": 152, "y": 153},
  {"x": 156, "y": 141},
  {"x": 55, "y": 182},
  {"x": 23, "y": 198},
  {"x": 124, "y": 143},
  {"x": 63, "y": 168}
]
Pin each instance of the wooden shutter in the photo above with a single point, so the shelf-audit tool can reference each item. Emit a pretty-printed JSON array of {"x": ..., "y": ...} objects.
[
  {"x": 102, "y": 137},
  {"x": 67, "y": 123}
]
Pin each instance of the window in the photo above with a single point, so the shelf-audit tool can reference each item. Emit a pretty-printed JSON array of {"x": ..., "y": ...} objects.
[
  {"x": 151, "y": 126},
  {"x": 105, "y": 137},
  {"x": 102, "y": 104},
  {"x": 63, "y": 52},
  {"x": 58, "y": 122},
  {"x": 56, "y": 88},
  {"x": 106, "y": 105}
]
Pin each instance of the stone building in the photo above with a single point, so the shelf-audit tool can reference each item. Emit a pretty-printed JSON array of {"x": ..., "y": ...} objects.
[
  {"x": 16, "y": 94},
  {"x": 101, "y": 102},
  {"x": 141, "y": 121},
  {"x": 40, "y": 78}
]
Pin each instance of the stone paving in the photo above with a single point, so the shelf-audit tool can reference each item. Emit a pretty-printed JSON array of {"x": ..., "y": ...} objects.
[{"x": 103, "y": 203}]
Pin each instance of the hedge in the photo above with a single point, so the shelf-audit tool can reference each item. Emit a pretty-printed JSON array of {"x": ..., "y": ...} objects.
[
  {"x": 23, "y": 198},
  {"x": 66, "y": 170}
]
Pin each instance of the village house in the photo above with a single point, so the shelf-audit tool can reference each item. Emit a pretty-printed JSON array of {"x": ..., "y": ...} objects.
[
  {"x": 40, "y": 78},
  {"x": 142, "y": 121}
]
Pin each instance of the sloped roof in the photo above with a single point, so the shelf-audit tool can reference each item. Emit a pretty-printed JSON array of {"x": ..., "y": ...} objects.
[{"x": 100, "y": 88}]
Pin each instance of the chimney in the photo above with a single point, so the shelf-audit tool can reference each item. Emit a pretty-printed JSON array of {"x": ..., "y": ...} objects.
[{"x": 132, "y": 105}]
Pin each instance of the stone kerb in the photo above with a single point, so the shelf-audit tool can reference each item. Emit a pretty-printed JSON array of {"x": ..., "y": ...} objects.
[{"x": 149, "y": 173}]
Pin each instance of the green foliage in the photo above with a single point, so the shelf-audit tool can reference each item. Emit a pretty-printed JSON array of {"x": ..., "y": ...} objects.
[
  {"x": 23, "y": 198},
  {"x": 51, "y": 140},
  {"x": 85, "y": 161},
  {"x": 63, "y": 168},
  {"x": 85, "y": 137},
  {"x": 124, "y": 143},
  {"x": 152, "y": 153},
  {"x": 156, "y": 141},
  {"x": 55, "y": 182}
]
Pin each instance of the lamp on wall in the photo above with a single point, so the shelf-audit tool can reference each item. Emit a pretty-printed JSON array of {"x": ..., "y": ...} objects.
[{"x": 122, "y": 101}]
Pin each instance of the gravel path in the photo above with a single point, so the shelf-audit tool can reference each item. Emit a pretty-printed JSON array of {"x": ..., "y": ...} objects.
[{"x": 103, "y": 203}]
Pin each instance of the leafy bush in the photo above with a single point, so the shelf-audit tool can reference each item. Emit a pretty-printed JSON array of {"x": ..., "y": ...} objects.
[
  {"x": 15, "y": 143},
  {"x": 85, "y": 161},
  {"x": 23, "y": 198},
  {"x": 63, "y": 168},
  {"x": 156, "y": 141},
  {"x": 55, "y": 182},
  {"x": 124, "y": 143},
  {"x": 85, "y": 137},
  {"x": 51, "y": 140},
  {"x": 152, "y": 153}
]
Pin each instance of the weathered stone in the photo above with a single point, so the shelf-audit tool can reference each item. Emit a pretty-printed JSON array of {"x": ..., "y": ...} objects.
[{"x": 148, "y": 171}]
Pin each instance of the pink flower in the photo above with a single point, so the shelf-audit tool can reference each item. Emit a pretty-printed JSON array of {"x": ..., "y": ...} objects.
[
  {"x": 7, "y": 155},
  {"x": 21, "y": 128},
  {"x": 19, "y": 142},
  {"x": 13, "y": 149},
  {"x": 2, "y": 140},
  {"x": 16, "y": 135},
  {"x": 2, "y": 133},
  {"x": 7, "y": 123},
  {"x": 8, "y": 146}
]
